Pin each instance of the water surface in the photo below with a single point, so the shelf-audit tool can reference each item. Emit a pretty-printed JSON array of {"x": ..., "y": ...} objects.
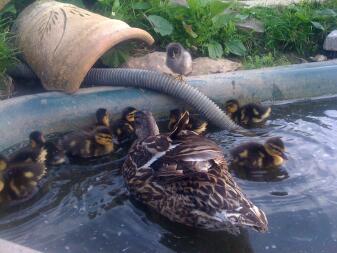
[{"x": 85, "y": 207}]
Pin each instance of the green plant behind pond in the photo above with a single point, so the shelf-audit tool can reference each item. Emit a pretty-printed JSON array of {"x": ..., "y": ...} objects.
[{"x": 267, "y": 60}]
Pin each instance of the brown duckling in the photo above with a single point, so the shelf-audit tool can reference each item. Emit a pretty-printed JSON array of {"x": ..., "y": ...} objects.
[
  {"x": 34, "y": 152},
  {"x": 178, "y": 59},
  {"x": 123, "y": 128},
  {"x": 255, "y": 156},
  {"x": 184, "y": 177},
  {"x": 95, "y": 143},
  {"x": 195, "y": 124},
  {"x": 19, "y": 180},
  {"x": 249, "y": 115},
  {"x": 55, "y": 153}
]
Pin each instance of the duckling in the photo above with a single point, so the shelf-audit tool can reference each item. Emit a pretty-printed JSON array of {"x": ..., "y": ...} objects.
[
  {"x": 123, "y": 128},
  {"x": 255, "y": 156},
  {"x": 184, "y": 177},
  {"x": 18, "y": 180},
  {"x": 34, "y": 152},
  {"x": 55, "y": 153},
  {"x": 96, "y": 143},
  {"x": 249, "y": 115},
  {"x": 178, "y": 59},
  {"x": 195, "y": 124}
]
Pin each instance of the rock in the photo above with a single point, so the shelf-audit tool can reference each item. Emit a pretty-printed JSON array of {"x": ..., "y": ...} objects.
[
  {"x": 251, "y": 24},
  {"x": 330, "y": 43},
  {"x": 6, "y": 86},
  {"x": 201, "y": 66},
  {"x": 205, "y": 65},
  {"x": 319, "y": 58},
  {"x": 180, "y": 2}
]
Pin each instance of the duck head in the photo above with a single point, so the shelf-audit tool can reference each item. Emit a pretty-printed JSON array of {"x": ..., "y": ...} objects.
[
  {"x": 232, "y": 106},
  {"x": 103, "y": 117},
  {"x": 36, "y": 139},
  {"x": 128, "y": 114},
  {"x": 174, "y": 117},
  {"x": 275, "y": 147},
  {"x": 145, "y": 125},
  {"x": 174, "y": 50}
]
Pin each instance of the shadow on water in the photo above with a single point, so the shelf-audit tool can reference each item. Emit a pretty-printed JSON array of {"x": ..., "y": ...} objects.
[{"x": 86, "y": 208}]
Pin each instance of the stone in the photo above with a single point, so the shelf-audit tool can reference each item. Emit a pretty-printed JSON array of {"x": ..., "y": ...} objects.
[
  {"x": 330, "y": 43},
  {"x": 251, "y": 24},
  {"x": 156, "y": 61},
  {"x": 180, "y": 2},
  {"x": 318, "y": 58}
]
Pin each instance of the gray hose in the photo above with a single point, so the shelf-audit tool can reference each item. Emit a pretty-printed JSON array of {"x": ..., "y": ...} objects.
[{"x": 154, "y": 81}]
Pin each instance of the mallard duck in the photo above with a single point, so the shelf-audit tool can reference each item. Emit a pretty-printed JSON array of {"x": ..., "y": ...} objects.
[
  {"x": 123, "y": 128},
  {"x": 85, "y": 144},
  {"x": 102, "y": 117},
  {"x": 195, "y": 124},
  {"x": 255, "y": 156},
  {"x": 34, "y": 152},
  {"x": 249, "y": 115},
  {"x": 18, "y": 180},
  {"x": 178, "y": 59},
  {"x": 184, "y": 177}
]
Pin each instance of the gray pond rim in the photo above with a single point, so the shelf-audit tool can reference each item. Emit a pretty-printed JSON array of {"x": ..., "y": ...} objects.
[{"x": 58, "y": 112}]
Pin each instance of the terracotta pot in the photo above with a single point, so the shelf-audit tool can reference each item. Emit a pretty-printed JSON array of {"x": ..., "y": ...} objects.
[{"x": 61, "y": 42}]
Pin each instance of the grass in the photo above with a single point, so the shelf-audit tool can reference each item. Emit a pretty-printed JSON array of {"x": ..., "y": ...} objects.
[
  {"x": 7, "y": 53},
  {"x": 209, "y": 27},
  {"x": 267, "y": 60}
]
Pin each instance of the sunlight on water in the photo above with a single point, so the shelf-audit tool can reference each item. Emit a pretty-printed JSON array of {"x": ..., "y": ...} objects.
[{"x": 86, "y": 208}]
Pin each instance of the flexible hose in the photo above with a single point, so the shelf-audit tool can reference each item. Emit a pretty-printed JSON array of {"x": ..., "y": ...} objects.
[{"x": 154, "y": 81}]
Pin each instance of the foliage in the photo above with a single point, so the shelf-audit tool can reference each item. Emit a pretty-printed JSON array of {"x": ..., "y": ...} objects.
[{"x": 267, "y": 60}]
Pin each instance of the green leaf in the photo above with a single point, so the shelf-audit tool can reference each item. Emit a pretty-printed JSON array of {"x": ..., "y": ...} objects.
[
  {"x": 141, "y": 6},
  {"x": 317, "y": 25},
  {"x": 236, "y": 47},
  {"x": 189, "y": 30},
  {"x": 160, "y": 25},
  {"x": 215, "y": 50},
  {"x": 221, "y": 20},
  {"x": 217, "y": 7}
]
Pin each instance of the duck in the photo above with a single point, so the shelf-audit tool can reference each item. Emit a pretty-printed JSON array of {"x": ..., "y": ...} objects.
[
  {"x": 123, "y": 128},
  {"x": 178, "y": 60},
  {"x": 34, "y": 152},
  {"x": 249, "y": 115},
  {"x": 257, "y": 156},
  {"x": 40, "y": 150},
  {"x": 19, "y": 180},
  {"x": 88, "y": 144},
  {"x": 184, "y": 177},
  {"x": 195, "y": 124}
]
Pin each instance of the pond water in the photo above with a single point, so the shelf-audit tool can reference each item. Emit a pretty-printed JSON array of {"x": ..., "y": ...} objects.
[{"x": 86, "y": 208}]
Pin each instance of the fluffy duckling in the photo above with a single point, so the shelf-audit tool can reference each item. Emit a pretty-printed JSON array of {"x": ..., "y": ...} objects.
[
  {"x": 184, "y": 177},
  {"x": 95, "y": 143},
  {"x": 34, "y": 152},
  {"x": 249, "y": 115},
  {"x": 255, "y": 156},
  {"x": 123, "y": 128},
  {"x": 195, "y": 124},
  {"x": 55, "y": 153},
  {"x": 18, "y": 180},
  {"x": 178, "y": 59}
]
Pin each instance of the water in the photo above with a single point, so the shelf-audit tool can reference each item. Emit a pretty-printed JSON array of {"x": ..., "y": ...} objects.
[{"x": 86, "y": 208}]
